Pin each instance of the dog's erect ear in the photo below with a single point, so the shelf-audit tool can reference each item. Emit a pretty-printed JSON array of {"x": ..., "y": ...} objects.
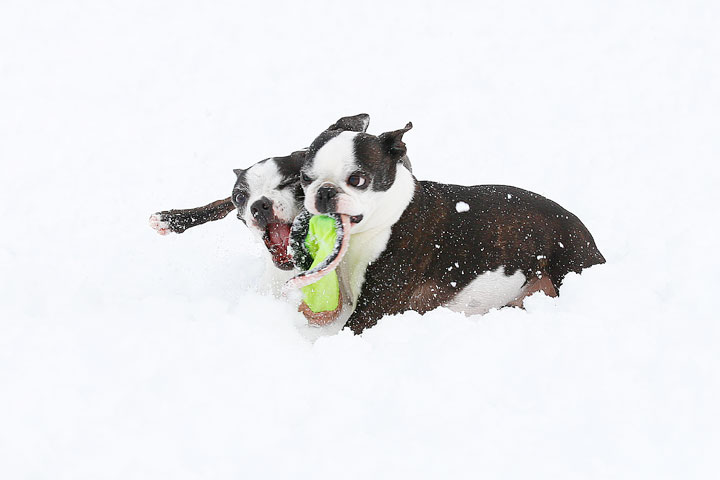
[
  {"x": 392, "y": 142},
  {"x": 238, "y": 171},
  {"x": 297, "y": 160},
  {"x": 299, "y": 156},
  {"x": 406, "y": 163},
  {"x": 356, "y": 123}
]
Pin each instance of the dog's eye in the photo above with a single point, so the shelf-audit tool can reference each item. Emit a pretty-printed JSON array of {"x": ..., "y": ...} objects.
[
  {"x": 356, "y": 180},
  {"x": 240, "y": 198},
  {"x": 305, "y": 178}
]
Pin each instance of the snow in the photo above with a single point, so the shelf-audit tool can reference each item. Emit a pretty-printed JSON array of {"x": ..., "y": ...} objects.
[
  {"x": 125, "y": 354},
  {"x": 462, "y": 207}
]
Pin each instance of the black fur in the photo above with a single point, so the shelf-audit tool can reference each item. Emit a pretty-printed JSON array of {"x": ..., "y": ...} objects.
[
  {"x": 355, "y": 123},
  {"x": 240, "y": 193},
  {"x": 180, "y": 220},
  {"x": 371, "y": 160},
  {"x": 505, "y": 226},
  {"x": 289, "y": 166}
]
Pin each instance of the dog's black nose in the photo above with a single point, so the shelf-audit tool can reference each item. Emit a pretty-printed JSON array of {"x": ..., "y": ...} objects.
[
  {"x": 326, "y": 199},
  {"x": 262, "y": 211}
]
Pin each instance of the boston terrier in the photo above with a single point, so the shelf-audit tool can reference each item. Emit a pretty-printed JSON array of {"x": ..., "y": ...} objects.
[
  {"x": 267, "y": 197},
  {"x": 417, "y": 245}
]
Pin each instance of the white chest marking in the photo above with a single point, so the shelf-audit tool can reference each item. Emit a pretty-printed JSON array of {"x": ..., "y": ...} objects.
[{"x": 489, "y": 290}]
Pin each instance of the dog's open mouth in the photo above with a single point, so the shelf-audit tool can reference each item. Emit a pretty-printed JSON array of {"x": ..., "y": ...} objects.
[{"x": 277, "y": 239}]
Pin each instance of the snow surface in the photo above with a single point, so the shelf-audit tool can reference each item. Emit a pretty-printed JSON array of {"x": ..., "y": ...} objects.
[{"x": 124, "y": 354}]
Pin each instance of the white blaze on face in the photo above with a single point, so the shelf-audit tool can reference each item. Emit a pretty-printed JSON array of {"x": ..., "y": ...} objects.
[
  {"x": 334, "y": 159},
  {"x": 333, "y": 163},
  {"x": 263, "y": 180}
]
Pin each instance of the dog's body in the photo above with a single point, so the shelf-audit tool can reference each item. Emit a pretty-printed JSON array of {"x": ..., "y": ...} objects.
[
  {"x": 414, "y": 245},
  {"x": 420, "y": 245},
  {"x": 471, "y": 261}
]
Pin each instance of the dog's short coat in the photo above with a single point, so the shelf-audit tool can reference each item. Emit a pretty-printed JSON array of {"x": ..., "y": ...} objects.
[
  {"x": 267, "y": 197},
  {"x": 417, "y": 245}
]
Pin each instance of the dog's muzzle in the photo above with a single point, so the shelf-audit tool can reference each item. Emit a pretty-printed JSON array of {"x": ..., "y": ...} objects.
[{"x": 262, "y": 211}]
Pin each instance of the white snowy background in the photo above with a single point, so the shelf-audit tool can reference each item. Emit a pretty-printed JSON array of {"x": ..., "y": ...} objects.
[{"x": 127, "y": 355}]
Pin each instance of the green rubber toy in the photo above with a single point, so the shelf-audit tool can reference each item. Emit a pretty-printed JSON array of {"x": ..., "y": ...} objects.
[{"x": 323, "y": 295}]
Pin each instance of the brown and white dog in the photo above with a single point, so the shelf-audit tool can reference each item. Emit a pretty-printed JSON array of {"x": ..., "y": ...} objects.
[{"x": 417, "y": 245}]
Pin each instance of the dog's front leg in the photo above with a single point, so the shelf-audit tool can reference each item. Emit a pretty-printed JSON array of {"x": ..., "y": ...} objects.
[
  {"x": 361, "y": 319},
  {"x": 177, "y": 221},
  {"x": 374, "y": 303}
]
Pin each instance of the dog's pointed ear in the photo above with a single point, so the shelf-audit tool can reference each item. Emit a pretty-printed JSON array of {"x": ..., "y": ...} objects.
[
  {"x": 406, "y": 162},
  {"x": 299, "y": 155},
  {"x": 298, "y": 159},
  {"x": 356, "y": 123},
  {"x": 392, "y": 142},
  {"x": 238, "y": 171}
]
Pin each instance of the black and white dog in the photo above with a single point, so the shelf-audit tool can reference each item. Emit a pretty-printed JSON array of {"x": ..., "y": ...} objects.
[
  {"x": 267, "y": 197},
  {"x": 417, "y": 245}
]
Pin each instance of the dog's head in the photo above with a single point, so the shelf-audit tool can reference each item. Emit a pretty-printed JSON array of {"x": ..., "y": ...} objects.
[
  {"x": 268, "y": 195},
  {"x": 364, "y": 176}
]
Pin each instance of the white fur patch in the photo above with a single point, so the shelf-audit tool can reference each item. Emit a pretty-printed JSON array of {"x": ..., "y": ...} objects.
[
  {"x": 335, "y": 160},
  {"x": 490, "y": 290},
  {"x": 158, "y": 224},
  {"x": 262, "y": 180},
  {"x": 333, "y": 164}
]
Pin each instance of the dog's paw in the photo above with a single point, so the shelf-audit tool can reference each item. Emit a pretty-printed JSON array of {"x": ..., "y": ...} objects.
[
  {"x": 319, "y": 319},
  {"x": 160, "y": 224}
]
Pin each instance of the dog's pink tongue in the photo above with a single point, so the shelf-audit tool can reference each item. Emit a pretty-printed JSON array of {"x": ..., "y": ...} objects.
[{"x": 279, "y": 239}]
